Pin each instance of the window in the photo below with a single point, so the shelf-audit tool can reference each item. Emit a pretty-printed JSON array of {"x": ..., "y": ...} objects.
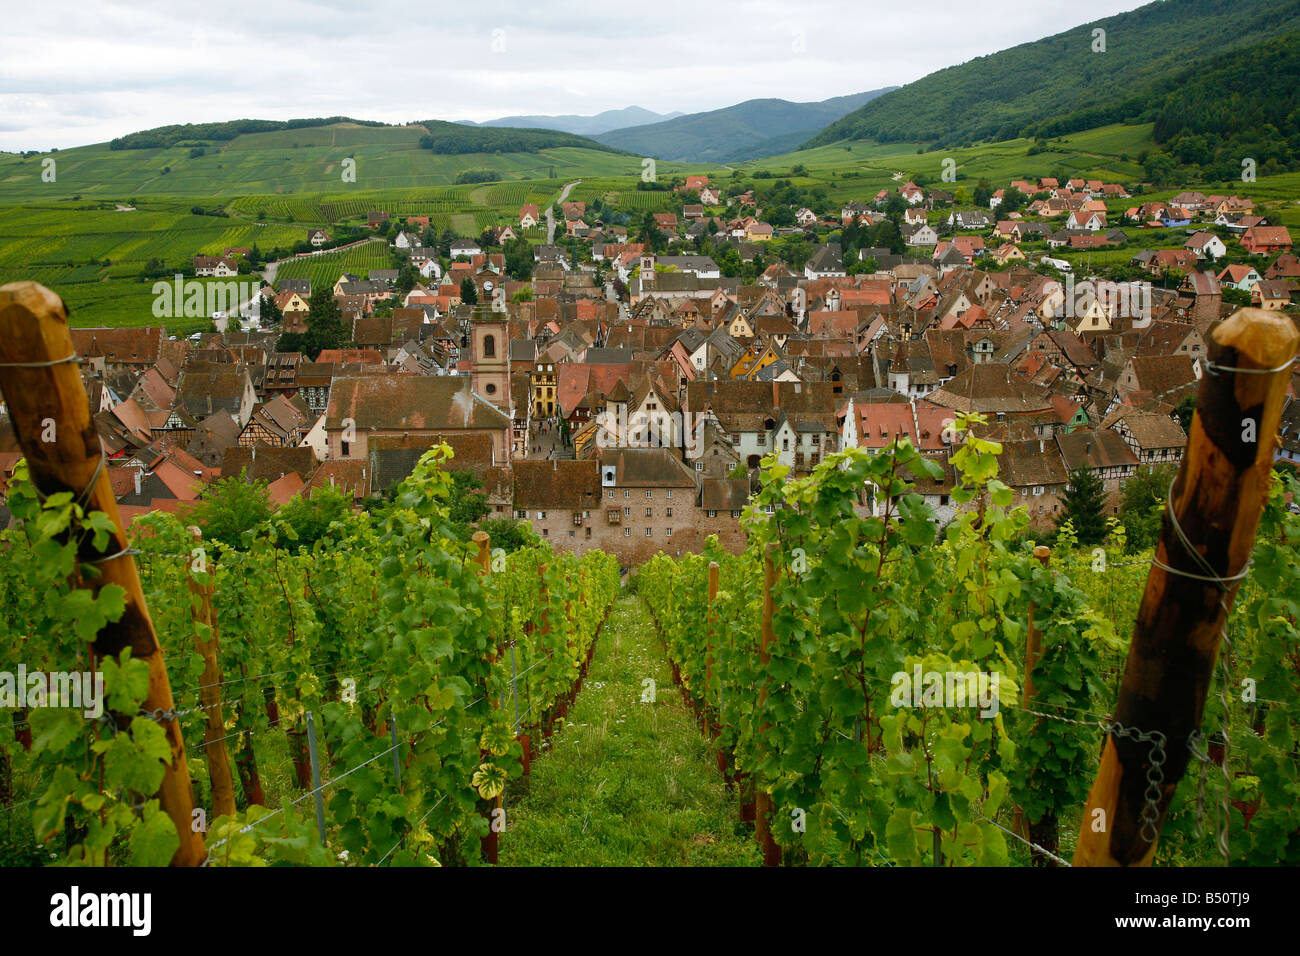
[
  {"x": 627, "y": 493},
  {"x": 699, "y": 466},
  {"x": 735, "y": 514},
  {"x": 546, "y": 532},
  {"x": 541, "y": 516},
  {"x": 491, "y": 389},
  {"x": 648, "y": 532},
  {"x": 670, "y": 494},
  {"x": 611, "y": 492},
  {"x": 588, "y": 534},
  {"x": 489, "y": 346},
  {"x": 570, "y": 532},
  {"x": 627, "y": 532},
  {"x": 713, "y": 514},
  {"x": 769, "y": 509},
  {"x": 649, "y": 512},
  {"x": 668, "y": 512},
  {"x": 345, "y": 449},
  {"x": 1038, "y": 489},
  {"x": 521, "y": 515},
  {"x": 649, "y": 494},
  {"x": 762, "y": 440},
  {"x": 627, "y": 512}
]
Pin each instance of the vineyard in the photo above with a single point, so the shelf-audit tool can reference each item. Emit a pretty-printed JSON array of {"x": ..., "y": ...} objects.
[
  {"x": 390, "y": 674},
  {"x": 821, "y": 637},
  {"x": 325, "y": 268},
  {"x": 331, "y": 686}
]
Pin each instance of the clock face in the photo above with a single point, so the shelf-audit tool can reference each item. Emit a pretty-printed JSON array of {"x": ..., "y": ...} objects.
[{"x": 487, "y": 286}]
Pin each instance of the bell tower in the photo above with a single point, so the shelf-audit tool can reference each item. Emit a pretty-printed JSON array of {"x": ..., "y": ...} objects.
[{"x": 490, "y": 357}]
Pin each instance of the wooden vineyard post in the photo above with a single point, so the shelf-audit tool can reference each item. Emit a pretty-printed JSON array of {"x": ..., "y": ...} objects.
[
  {"x": 1044, "y": 832},
  {"x": 709, "y": 726},
  {"x": 204, "y": 615},
  {"x": 488, "y": 845},
  {"x": 1205, "y": 545},
  {"x": 763, "y": 800},
  {"x": 41, "y": 383}
]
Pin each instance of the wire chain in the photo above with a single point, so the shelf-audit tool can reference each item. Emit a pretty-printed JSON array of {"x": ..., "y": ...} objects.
[{"x": 1155, "y": 773}]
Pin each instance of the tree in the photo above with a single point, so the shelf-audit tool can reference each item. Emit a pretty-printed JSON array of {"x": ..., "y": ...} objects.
[
  {"x": 468, "y": 291},
  {"x": 650, "y": 233},
  {"x": 1085, "y": 507},
  {"x": 310, "y": 518},
  {"x": 325, "y": 328},
  {"x": 519, "y": 259},
  {"x": 407, "y": 277},
  {"x": 1145, "y": 497},
  {"x": 983, "y": 193},
  {"x": 508, "y": 534},
  {"x": 466, "y": 504},
  {"x": 1185, "y": 409},
  {"x": 231, "y": 506},
  {"x": 270, "y": 312}
]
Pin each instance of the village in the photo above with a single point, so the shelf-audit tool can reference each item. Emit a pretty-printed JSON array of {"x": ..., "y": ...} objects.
[{"x": 620, "y": 389}]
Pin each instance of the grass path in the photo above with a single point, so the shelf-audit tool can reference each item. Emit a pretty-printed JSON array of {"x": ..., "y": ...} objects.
[{"x": 626, "y": 783}]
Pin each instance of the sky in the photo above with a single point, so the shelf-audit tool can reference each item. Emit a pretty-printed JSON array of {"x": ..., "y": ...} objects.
[{"x": 73, "y": 74}]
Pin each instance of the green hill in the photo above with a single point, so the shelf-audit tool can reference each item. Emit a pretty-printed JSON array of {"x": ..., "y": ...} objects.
[
  {"x": 733, "y": 132},
  {"x": 1004, "y": 95},
  {"x": 305, "y": 159}
]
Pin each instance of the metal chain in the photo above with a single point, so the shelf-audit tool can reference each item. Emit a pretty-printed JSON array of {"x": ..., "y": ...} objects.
[{"x": 1155, "y": 773}]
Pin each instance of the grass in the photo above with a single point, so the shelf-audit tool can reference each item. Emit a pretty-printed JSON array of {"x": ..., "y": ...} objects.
[{"x": 626, "y": 783}]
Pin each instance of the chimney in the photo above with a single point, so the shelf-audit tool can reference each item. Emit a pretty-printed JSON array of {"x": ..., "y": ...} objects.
[
  {"x": 138, "y": 475},
  {"x": 254, "y": 448},
  {"x": 1042, "y": 446}
]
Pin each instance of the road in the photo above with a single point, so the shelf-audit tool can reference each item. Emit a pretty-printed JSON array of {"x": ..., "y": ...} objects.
[{"x": 550, "y": 211}]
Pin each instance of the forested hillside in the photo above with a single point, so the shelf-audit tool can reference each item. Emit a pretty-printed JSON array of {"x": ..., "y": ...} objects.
[
  {"x": 1004, "y": 95},
  {"x": 1244, "y": 104}
]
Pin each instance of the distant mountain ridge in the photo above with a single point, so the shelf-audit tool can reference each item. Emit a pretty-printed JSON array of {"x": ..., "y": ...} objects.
[
  {"x": 1003, "y": 95},
  {"x": 748, "y": 130},
  {"x": 625, "y": 118}
]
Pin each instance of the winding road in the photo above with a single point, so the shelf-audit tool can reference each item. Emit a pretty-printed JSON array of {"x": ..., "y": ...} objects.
[{"x": 550, "y": 211}]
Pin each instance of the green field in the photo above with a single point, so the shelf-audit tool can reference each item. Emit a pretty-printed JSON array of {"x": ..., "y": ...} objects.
[{"x": 325, "y": 269}]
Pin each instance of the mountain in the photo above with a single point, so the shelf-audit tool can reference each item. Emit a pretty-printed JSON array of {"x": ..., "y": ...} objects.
[
  {"x": 625, "y": 118},
  {"x": 733, "y": 132},
  {"x": 1001, "y": 96}
]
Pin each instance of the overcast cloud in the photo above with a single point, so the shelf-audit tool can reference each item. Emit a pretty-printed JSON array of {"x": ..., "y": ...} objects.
[{"x": 72, "y": 74}]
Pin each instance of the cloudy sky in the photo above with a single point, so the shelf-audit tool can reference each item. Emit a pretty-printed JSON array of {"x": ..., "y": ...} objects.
[{"x": 72, "y": 74}]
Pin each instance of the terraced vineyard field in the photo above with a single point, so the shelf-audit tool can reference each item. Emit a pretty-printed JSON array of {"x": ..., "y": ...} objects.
[{"x": 325, "y": 268}]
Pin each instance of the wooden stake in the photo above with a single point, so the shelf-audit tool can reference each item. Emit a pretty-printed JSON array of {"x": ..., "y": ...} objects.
[
  {"x": 488, "y": 845},
  {"x": 762, "y": 799},
  {"x": 202, "y": 611},
  {"x": 1217, "y": 500},
  {"x": 34, "y": 328},
  {"x": 713, "y": 620},
  {"x": 1043, "y": 832}
]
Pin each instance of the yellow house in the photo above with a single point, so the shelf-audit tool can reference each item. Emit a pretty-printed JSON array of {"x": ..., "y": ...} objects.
[
  {"x": 541, "y": 385},
  {"x": 1007, "y": 253},
  {"x": 740, "y": 328},
  {"x": 753, "y": 361}
]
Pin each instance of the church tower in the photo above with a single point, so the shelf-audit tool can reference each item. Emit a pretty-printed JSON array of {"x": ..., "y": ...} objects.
[{"x": 490, "y": 357}]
